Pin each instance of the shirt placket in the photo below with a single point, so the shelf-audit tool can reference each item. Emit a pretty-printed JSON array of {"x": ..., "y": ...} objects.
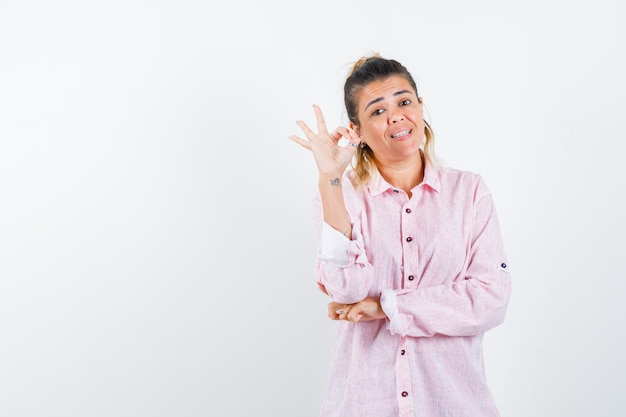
[
  {"x": 403, "y": 380},
  {"x": 410, "y": 280},
  {"x": 410, "y": 254}
]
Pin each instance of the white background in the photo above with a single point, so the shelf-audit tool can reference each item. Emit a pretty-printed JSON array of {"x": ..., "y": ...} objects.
[{"x": 156, "y": 245}]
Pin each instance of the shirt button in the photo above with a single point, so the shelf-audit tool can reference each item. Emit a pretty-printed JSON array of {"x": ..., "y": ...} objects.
[
  {"x": 402, "y": 352},
  {"x": 404, "y": 393},
  {"x": 408, "y": 239},
  {"x": 503, "y": 265},
  {"x": 408, "y": 210},
  {"x": 411, "y": 277}
]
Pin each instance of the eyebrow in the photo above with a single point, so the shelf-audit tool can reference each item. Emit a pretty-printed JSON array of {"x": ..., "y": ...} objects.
[{"x": 376, "y": 100}]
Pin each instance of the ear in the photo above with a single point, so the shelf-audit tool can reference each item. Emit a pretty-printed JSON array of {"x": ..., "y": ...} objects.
[
  {"x": 355, "y": 128},
  {"x": 420, "y": 100}
]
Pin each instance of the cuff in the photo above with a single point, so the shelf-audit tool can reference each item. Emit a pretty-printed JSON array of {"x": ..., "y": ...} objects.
[
  {"x": 389, "y": 303},
  {"x": 334, "y": 247},
  {"x": 399, "y": 324}
]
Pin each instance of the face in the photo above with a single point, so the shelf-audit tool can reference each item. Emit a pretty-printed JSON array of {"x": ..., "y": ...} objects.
[{"x": 391, "y": 119}]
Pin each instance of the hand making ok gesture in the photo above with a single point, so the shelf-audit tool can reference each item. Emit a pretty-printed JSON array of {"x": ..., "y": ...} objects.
[{"x": 331, "y": 158}]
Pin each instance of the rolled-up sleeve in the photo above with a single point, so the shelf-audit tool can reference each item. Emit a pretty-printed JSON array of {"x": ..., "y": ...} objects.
[
  {"x": 335, "y": 248},
  {"x": 341, "y": 265}
]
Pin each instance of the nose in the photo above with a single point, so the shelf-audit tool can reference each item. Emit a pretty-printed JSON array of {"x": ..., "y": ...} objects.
[{"x": 395, "y": 115}]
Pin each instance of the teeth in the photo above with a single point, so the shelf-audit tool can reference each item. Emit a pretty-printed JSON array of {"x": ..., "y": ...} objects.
[{"x": 404, "y": 132}]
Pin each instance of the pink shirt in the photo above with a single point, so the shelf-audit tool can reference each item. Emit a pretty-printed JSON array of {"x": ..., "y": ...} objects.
[{"x": 438, "y": 263}]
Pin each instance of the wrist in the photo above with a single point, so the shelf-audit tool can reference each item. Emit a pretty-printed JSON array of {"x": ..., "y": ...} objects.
[
  {"x": 331, "y": 179},
  {"x": 330, "y": 175}
]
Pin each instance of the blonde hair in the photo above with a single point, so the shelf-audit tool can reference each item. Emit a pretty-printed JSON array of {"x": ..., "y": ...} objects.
[{"x": 364, "y": 71}]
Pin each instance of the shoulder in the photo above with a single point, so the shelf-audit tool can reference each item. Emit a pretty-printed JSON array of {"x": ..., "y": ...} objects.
[
  {"x": 462, "y": 181},
  {"x": 450, "y": 174}
]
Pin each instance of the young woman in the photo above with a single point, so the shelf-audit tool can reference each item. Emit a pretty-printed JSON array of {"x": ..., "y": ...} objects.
[{"x": 410, "y": 254}]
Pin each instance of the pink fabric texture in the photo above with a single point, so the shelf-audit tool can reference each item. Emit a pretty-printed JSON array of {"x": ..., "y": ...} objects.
[{"x": 438, "y": 262}]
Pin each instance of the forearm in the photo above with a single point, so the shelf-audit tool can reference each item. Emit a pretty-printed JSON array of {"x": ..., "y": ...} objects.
[
  {"x": 465, "y": 308},
  {"x": 333, "y": 204},
  {"x": 342, "y": 266}
]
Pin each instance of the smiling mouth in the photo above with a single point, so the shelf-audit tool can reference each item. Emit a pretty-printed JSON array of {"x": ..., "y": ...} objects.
[{"x": 400, "y": 134}]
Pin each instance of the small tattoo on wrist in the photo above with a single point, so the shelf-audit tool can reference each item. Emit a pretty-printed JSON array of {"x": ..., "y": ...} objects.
[{"x": 336, "y": 182}]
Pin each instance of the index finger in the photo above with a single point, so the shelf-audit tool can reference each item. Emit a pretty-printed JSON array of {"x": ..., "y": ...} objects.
[{"x": 306, "y": 129}]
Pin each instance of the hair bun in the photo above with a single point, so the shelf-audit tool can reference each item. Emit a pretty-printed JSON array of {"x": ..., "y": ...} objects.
[{"x": 359, "y": 63}]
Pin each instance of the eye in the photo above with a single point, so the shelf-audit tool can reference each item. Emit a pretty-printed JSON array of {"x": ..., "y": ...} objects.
[
  {"x": 405, "y": 102},
  {"x": 377, "y": 112}
]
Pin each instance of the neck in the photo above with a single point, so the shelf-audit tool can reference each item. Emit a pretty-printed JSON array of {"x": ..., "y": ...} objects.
[{"x": 405, "y": 175}]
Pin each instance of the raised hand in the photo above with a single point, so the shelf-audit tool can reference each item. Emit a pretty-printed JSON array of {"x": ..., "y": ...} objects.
[{"x": 331, "y": 158}]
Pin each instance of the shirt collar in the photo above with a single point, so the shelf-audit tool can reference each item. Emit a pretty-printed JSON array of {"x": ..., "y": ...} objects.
[{"x": 379, "y": 185}]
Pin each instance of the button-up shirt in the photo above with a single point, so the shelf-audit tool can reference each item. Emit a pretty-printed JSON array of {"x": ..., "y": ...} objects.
[{"x": 437, "y": 261}]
